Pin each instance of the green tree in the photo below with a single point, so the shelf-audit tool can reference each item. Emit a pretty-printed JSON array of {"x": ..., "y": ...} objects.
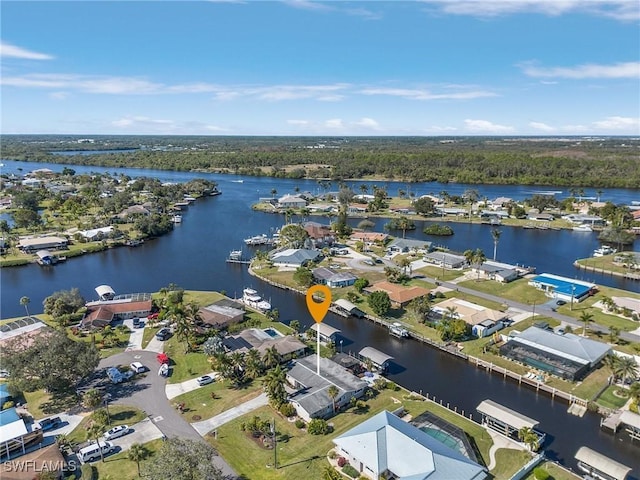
[
  {"x": 63, "y": 302},
  {"x": 586, "y": 318},
  {"x": 379, "y": 303},
  {"x": 529, "y": 438},
  {"x": 303, "y": 276},
  {"x": 183, "y": 459},
  {"x": 274, "y": 386},
  {"x": 293, "y": 236},
  {"x": 94, "y": 432},
  {"x": 137, "y": 453},
  {"x": 424, "y": 206},
  {"x": 495, "y": 234},
  {"x": 626, "y": 368},
  {"x": 360, "y": 284},
  {"x": 24, "y": 301},
  {"x": 271, "y": 357},
  {"x": 333, "y": 392},
  {"x": 295, "y": 325}
]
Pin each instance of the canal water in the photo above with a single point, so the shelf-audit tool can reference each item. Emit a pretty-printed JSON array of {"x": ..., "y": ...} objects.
[{"x": 193, "y": 256}]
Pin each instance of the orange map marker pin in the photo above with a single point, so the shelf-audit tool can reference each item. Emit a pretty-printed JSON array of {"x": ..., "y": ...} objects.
[{"x": 318, "y": 310}]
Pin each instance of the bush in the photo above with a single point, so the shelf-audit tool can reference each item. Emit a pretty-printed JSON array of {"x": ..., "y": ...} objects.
[
  {"x": 288, "y": 410},
  {"x": 541, "y": 474},
  {"x": 8, "y": 404},
  {"x": 318, "y": 426},
  {"x": 342, "y": 462},
  {"x": 88, "y": 472},
  {"x": 352, "y": 472},
  {"x": 332, "y": 454},
  {"x": 300, "y": 423}
]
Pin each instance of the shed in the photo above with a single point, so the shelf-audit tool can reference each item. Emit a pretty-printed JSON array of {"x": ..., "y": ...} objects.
[
  {"x": 348, "y": 307},
  {"x": 379, "y": 359},
  {"x": 593, "y": 462},
  {"x": 327, "y": 332}
]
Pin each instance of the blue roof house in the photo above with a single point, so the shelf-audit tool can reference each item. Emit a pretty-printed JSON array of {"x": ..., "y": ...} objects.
[{"x": 567, "y": 289}]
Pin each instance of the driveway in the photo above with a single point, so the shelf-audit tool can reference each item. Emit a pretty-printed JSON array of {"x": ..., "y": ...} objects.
[
  {"x": 135, "y": 339},
  {"x": 142, "y": 432},
  {"x": 173, "y": 390},
  {"x": 155, "y": 345},
  {"x": 205, "y": 426},
  {"x": 147, "y": 392}
]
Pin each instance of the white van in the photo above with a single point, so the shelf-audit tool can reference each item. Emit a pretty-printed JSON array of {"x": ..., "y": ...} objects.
[{"x": 92, "y": 452}]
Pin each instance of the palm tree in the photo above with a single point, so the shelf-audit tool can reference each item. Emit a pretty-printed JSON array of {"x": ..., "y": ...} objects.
[
  {"x": 271, "y": 357},
  {"x": 274, "y": 386},
  {"x": 94, "y": 432},
  {"x": 611, "y": 362},
  {"x": 364, "y": 188},
  {"x": 404, "y": 224},
  {"x": 274, "y": 192},
  {"x": 475, "y": 257},
  {"x": 495, "y": 234},
  {"x": 253, "y": 364},
  {"x": 529, "y": 438},
  {"x": 24, "y": 301},
  {"x": 585, "y": 317},
  {"x": 333, "y": 392},
  {"x": 295, "y": 326},
  {"x": 598, "y": 194},
  {"x": 184, "y": 331},
  {"x": 614, "y": 334},
  {"x": 627, "y": 368},
  {"x": 634, "y": 391},
  {"x": 136, "y": 453}
]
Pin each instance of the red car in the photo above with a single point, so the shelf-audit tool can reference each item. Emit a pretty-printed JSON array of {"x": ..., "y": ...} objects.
[
  {"x": 163, "y": 358},
  {"x": 152, "y": 316}
]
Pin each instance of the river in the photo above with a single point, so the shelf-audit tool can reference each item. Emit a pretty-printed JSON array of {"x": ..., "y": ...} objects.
[{"x": 193, "y": 256}]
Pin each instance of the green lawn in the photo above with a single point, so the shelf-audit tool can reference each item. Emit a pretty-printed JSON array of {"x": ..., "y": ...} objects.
[
  {"x": 518, "y": 290},
  {"x": 120, "y": 415},
  {"x": 609, "y": 399},
  {"x": 41, "y": 404},
  {"x": 556, "y": 472},
  {"x": 200, "y": 403},
  {"x": 439, "y": 273},
  {"x": 508, "y": 462},
  {"x": 121, "y": 468},
  {"x": 185, "y": 365},
  {"x": 301, "y": 455}
]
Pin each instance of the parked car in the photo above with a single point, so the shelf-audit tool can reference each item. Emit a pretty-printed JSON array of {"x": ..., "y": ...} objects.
[
  {"x": 137, "y": 323},
  {"x": 163, "y": 334},
  {"x": 560, "y": 302},
  {"x": 137, "y": 367},
  {"x": 50, "y": 423},
  {"x": 204, "y": 380},
  {"x": 92, "y": 452},
  {"x": 116, "y": 432},
  {"x": 152, "y": 316}
]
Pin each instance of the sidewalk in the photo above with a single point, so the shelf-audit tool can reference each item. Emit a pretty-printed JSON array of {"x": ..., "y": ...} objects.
[{"x": 205, "y": 426}]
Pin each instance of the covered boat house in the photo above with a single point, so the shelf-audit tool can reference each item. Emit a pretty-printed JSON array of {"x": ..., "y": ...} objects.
[
  {"x": 379, "y": 360},
  {"x": 506, "y": 421},
  {"x": 597, "y": 465}
]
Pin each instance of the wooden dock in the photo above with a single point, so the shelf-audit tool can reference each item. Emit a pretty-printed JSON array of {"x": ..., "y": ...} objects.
[
  {"x": 612, "y": 422},
  {"x": 240, "y": 261}
]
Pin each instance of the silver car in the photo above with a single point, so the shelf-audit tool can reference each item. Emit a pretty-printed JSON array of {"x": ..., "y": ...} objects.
[{"x": 116, "y": 432}]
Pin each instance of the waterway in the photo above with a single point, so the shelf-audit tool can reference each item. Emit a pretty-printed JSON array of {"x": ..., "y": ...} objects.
[{"x": 193, "y": 256}]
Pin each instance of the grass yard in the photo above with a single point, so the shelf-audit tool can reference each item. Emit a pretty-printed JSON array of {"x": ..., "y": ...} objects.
[
  {"x": 185, "y": 365},
  {"x": 41, "y": 404},
  {"x": 199, "y": 402},
  {"x": 439, "y": 273},
  {"x": 609, "y": 399},
  {"x": 120, "y": 415},
  {"x": 120, "y": 467},
  {"x": 508, "y": 462},
  {"x": 556, "y": 472},
  {"x": 518, "y": 290},
  {"x": 301, "y": 455}
]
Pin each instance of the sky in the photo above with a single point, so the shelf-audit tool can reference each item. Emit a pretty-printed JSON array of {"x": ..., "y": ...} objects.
[{"x": 303, "y": 67}]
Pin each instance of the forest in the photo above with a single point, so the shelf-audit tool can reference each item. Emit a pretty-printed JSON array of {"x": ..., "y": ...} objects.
[{"x": 568, "y": 161}]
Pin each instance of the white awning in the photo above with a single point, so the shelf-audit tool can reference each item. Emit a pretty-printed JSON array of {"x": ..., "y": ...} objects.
[
  {"x": 346, "y": 304},
  {"x": 630, "y": 418},
  {"x": 602, "y": 464},
  {"x": 376, "y": 356},
  {"x": 104, "y": 290},
  {"x": 505, "y": 415}
]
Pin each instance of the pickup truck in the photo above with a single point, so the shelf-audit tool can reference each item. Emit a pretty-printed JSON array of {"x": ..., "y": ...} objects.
[{"x": 50, "y": 423}]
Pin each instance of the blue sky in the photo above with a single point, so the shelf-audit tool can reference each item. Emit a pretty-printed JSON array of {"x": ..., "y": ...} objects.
[{"x": 484, "y": 67}]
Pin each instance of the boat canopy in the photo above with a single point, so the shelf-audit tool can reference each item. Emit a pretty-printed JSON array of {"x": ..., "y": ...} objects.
[
  {"x": 505, "y": 415},
  {"x": 603, "y": 464},
  {"x": 375, "y": 355}
]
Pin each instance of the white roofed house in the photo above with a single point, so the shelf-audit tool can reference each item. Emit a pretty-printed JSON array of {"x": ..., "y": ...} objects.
[
  {"x": 291, "y": 201},
  {"x": 384, "y": 446},
  {"x": 295, "y": 257},
  {"x": 327, "y": 332},
  {"x": 311, "y": 399},
  {"x": 330, "y": 278},
  {"x": 30, "y": 245}
]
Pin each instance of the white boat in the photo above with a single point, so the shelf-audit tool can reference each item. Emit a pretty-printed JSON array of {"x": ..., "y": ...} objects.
[
  {"x": 251, "y": 298},
  {"x": 235, "y": 255},
  {"x": 583, "y": 228},
  {"x": 398, "y": 331},
  {"x": 604, "y": 250},
  {"x": 176, "y": 219},
  {"x": 257, "y": 240},
  {"x": 237, "y": 181}
]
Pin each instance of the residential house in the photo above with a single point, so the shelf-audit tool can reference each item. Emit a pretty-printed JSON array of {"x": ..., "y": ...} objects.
[
  {"x": 500, "y": 272},
  {"x": 325, "y": 276},
  {"x": 33, "y": 244},
  {"x": 540, "y": 217},
  {"x": 473, "y": 314},
  {"x": 291, "y": 201},
  {"x": 446, "y": 260},
  {"x": 563, "y": 288},
  {"x": 487, "y": 327},
  {"x": 369, "y": 237},
  {"x": 404, "y": 245},
  {"x": 321, "y": 234},
  {"x": 295, "y": 257},
  {"x": 311, "y": 399},
  {"x": 110, "y": 307},
  {"x": 328, "y": 334},
  {"x": 357, "y": 208},
  {"x": 500, "y": 202},
  {"x": 398, "y": 294},
  {"x": 288, "y": 346},
  {"x": 385, "y": 446},
  {"x": 96, "y": 233},
  {"x": 584, "y": 219},
  {"x": 221, "y": 314}
]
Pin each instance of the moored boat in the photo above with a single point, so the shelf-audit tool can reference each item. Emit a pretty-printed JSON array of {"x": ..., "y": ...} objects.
[
  {"x": 604, "y": 250},
  {"x": 397, "y": 330},
  {"x": 582, "y": 228},
  {"x": 251, "y": 298}
]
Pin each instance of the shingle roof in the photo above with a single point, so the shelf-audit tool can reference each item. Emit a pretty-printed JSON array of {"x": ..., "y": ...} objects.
[{"x": 385, "y": 442}]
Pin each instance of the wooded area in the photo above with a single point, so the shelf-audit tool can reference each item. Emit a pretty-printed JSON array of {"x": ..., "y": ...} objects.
[{"x": 573, "y": 161}]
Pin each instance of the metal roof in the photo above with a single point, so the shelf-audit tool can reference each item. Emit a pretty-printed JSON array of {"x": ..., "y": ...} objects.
[
  {"x": 346, "y": 304},
  {"x": 630, "y": 418},
  {"x": 505, "y": 415},
  {"x": 376, "y": 356},
  {"x": 601, "y": 463},
  {"x": 325, "y": 329}
]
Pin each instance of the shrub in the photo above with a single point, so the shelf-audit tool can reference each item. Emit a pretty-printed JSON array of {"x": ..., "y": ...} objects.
[
  {"x": 8, "y": 404},
  {"x": 318, "y": 426},
  {"x": 300, "y": 423},
  {"x": 380, "y": 384},
  {"x": 88, "y": 471},
  {"x": 541, "y": 474},
  {"x": 342, "y": 462},
  {"x": 349, "y": 470},
  {"x": 332, "y": 454},
  {"x": 288, "y": 410}
]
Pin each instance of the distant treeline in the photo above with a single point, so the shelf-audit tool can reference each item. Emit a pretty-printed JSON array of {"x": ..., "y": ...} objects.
[{"x": 577, "y": 162}]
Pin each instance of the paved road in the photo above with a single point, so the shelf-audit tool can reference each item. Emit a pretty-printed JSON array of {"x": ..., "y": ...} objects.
[{"x": 147, "y": 392}]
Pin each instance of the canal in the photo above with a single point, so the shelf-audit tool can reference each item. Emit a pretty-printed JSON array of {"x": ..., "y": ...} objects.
[{"x": 193, "y": 256}]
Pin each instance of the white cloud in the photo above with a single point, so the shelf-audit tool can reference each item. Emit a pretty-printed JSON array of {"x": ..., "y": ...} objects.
[
  {"x": 147, "y": 125},
  {"x": 58, "y": 95},
  {"x": 439, "y": 129},
  {"x": 617, "y": 70},
  {"x": 335, "y": 123},
  {"x": 622, "y": 10},
  {"x": 543, "y": 127},
  {"x": 8, "y": 50},
  {"x": 485, "y": 126},
  {"x": 298, "y": 122},
  {"x": 309, "y": 5},
  {"x": 629, "y": 124},
  {"x": 369, "y": 123},
  {"x": 419, "y": 94}
]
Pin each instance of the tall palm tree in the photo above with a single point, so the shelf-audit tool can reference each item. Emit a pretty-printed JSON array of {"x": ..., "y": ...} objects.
[
  {"x": 184, "y": 331},
  {"x": 529, "y": 438},
  {"x": 333, "y": 392},
  {"x": 611, "y": 362},
  {"x": 253, "y": 364},
  {"x": 24, "y": 301},
  {"x": 404, "y": 224},
  {"x": 586, "y": 318},
  {"x": 627, "y": 368},
  {"x": 495, "y": 234},
  {"x": 295, "y": 325},
  {"x": 94, "y": 432},
  {"x": 274, "y": 386},
  {"x": 136, "y": 453},
  {"x": 271, "y": 357}
]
